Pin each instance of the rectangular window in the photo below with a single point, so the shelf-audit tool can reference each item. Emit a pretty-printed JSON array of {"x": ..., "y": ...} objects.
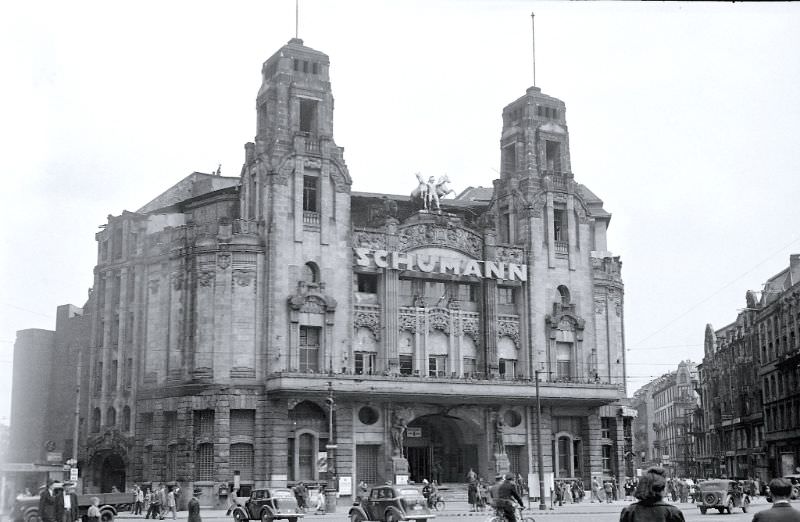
[
  {"x": 505, "y": 295},
  {"x": 406, "y": 365},
  {"x": 559, "y": 224},
  {"x": 204, "y": 462},
  {"x": 470, "y": 366},
  {"x": 435, "y": 293},
  {"x": 308, "y": 115},
  {"x": 437, "y": 366},
  {"x": 364, "y": 363},
  {"x": 505, "y": 227},
  {"x": 553, "y": 156},
  {"x": 310, "y": 191},
  {"x": 563, "y": 360},
  {"x": 98, "y": 378},
  {"x": 128, "y": 373},
  {"x": 309, "y": 348},
  {"x": 204, "y": 423},
  {"x": 468, "y": 293},
  {"x": 147, "y": 425},
  {"x": 112, "y": 376},
  {"x": 171, "y": 422},
  {"x": 367, "y": 283},
  {"x": 605, "y": 427},
  {"x": 243, "y": 423},
  {"x": 242, "y": 460},
  {"x": 606, "y": 459},
  {"x": 509, "y": 158},
  {"x": 172, "y": 461},
  {"x": 507, "y": 368},
  {"x": 367, "y": 463}
]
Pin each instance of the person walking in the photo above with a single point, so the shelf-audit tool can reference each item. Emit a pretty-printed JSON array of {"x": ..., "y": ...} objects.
[
  {"x": 93, "y": 513},
  {"x": 781, "y": 510},
  {"x": 138, "y": 498},
  {"x": 194, "y": 506},
  {"x": 171, "y": 503},
  {"x": 609, "y": 491},
  {"x": 596, "y": 489},
  {"x": 162, "y": 501},
  {"x": 651, "y": 506}
]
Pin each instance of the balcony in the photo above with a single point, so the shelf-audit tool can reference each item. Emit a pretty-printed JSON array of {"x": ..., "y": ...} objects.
[
  {"x": 445, "y": 387},
  {"x": 310, "y": 218},
  {"x": 562, "y": 248}
]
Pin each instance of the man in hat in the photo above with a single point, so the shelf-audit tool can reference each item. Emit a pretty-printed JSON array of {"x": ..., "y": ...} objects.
[
  {"x": 503, "y": 492},
  {"x": 66, "y": 503},
  {"x": 781, "y": 510},
  {"x": 194, "y": 506},
  {"x": 47, "y": 503}
]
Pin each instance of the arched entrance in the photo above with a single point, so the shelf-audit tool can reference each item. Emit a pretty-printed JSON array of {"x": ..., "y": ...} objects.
[
  {"x": 441, "y": 447},
  {"x": 108, "y": 472}
]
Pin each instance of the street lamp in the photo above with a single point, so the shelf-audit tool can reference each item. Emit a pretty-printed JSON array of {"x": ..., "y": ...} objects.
[
  {"x": 540, "y": 457},
  {"x": 330, "y": 491}
]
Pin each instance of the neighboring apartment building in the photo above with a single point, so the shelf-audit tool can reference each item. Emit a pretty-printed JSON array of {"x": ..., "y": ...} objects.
[
  {"x": 284, "y": 327},
  {"x": 750, "y": 382},
  {"x": 664, "y": 424}
]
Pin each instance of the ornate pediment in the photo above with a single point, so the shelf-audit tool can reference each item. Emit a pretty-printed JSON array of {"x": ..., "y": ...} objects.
[
  {"x": 310, "y": 298},
  {"x": 110, "y": 441}
]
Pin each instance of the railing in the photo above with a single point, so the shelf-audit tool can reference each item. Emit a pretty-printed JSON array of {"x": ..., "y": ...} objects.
[
  {"x": 312, "y": 146},
  {"x": 310, "y": 218},
  {"x": 562, "y": 247}
]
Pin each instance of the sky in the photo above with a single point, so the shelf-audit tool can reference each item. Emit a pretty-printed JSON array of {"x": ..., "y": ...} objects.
[{"x": 683, "y": 117}]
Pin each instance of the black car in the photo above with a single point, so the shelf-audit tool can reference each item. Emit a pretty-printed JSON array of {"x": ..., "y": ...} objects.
[
  {"x": 267, "y": 505},
  {"x": 391, "y": 503}
]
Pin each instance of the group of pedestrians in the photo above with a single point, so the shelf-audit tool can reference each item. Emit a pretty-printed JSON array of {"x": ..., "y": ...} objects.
[
  {"x": 58, "y": 502},
  {"x": 156, "y": 503}
]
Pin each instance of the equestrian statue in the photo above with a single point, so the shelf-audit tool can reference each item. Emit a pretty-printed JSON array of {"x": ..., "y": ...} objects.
[{"x": 431, "y": 191}]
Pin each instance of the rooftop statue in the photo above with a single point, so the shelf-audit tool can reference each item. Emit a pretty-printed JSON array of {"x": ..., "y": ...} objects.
[{"x": 431, "y": 191}]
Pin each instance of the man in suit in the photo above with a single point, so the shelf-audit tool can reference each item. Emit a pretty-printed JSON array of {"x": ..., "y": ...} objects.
[
  {"x": 781, "y": 510},
  {"x": 47, "y": 503}
]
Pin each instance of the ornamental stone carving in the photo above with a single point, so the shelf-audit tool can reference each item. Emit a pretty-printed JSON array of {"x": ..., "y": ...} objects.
[
  {"x": 510, "y": 329},
  {"x": 369, "y": 319},
  {"x": 408, "y": 321},
  {"x": 312, "y": 163},
  {"x": 206, "y": 277},
  {"x": 599, "y": 304},
  {"x": 430, "y": 234},
  {"x": 508, "y": 254},
  {"x": 439, "y": 319},
  {"x": 371, "y": 240},
  {"x": 243, "y": 277},
  {"x": 223, "y": 260},
  {"x": 471, "y": 326}
]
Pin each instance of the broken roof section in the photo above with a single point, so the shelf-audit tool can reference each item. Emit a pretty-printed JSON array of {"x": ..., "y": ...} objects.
[{"x": 194, "y": 185}]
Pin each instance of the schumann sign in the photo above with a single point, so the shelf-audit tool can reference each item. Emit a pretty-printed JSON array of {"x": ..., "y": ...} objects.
[{"x": 440, "y": 264}]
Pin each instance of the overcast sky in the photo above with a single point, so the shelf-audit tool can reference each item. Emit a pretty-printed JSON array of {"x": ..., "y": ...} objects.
[{"x": 684, "y": 118}]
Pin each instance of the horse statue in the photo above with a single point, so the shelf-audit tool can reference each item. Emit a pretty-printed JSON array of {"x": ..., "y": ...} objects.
[{"x": 431, "y": 191}]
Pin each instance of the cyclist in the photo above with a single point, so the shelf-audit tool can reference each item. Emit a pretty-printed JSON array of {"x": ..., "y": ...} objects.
[{"x": 503, "y": 492}]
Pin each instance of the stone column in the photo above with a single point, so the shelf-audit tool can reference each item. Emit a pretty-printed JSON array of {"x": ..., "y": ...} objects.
[
  {"x": 572, "y": 231},
  {"x": 551, "y": 239},
  {"x": 389, "y": 317}
]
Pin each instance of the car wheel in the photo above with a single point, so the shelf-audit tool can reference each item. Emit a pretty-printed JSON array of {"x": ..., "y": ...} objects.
[
  {"x": 702, "y": 511},
  {"x": 357, "y": 517},
  {"x": 292, "y": 519},
  {"x": 391, "y": 516},
  {"x": 265, "y": 516},
  {"x": 721, "y": 510},
  {"x": 729, "y": 507},
  {"x": 439, "y": 505},
  {"x": 710, "y": 499},
  {"x": 32, "y": 516},
  {"x": 106, "y": 516}
]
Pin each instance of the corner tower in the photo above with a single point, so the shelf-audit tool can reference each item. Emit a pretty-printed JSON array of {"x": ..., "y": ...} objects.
[{"x": 295, "y": 184}]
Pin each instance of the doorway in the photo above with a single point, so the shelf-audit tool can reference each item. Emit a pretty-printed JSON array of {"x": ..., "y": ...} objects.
[{"x": 441, "y": 448}]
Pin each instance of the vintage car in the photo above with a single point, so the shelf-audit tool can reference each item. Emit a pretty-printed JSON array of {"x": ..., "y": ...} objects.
[
  {"x": 795, "y": 480},
  {"x": 722, "y": 495},
  {"x": 267, "y": 505},
  {"x": 391, "y": 503}
]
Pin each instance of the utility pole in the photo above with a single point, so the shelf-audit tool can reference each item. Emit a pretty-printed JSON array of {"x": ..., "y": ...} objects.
[{"x": 330, "y": 493}]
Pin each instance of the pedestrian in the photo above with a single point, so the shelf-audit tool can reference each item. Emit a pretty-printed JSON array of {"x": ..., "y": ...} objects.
[
  {"x": 567, "y": 492},
  {"x": 300, "y": 493},
  {"x": 608, "y": 490},
  {"x": 651, "y": 506},
  {"x": 194, "y": 506},
  {"x": 155, "y": 505},
  {"x": 596, "y": 489},
  {"x": 47, "y": 503},
  {"x": 171, "y": 503},
  {"x": 232, "y": 501},
  {"x": 472, "y": 495},
  {"x": 781, "y": 510},
  {"x": 138, "y": 498},
  {"x": 162, "y": 501},
  {"x": 68, "y": 503},
  {"x": 93, "y": 513}
]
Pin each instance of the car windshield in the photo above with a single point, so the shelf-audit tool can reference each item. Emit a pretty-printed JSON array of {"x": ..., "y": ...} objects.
[
  {"x": 282, "y": 493},
  {"x": 410, "y": 492}
]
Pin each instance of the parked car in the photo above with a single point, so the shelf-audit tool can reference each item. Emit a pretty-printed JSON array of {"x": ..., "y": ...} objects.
[
  {"x": 722, "y": 495},
  {"x": 795, "y": 480},
  {"x": 391, "y": 503},
  {"x": 267, "y": 505}
]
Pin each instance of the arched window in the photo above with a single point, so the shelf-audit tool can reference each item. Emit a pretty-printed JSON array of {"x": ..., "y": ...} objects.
[
  {"x": 111, "y": 416},
  {"x": 310, "y": 272},
  {"x": 567, "y": 455},
  {"x": 563, "y": 291},
  {"x": 96, "y": 420},
  {"x": 126, "y": 418}
]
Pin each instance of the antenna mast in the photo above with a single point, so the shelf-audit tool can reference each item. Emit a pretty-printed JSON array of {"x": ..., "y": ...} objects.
[
  {"x": 533, "y": 40},
  {"x": 296, "y": 18}
]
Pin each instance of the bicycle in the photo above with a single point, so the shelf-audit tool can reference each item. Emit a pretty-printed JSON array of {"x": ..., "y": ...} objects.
[
  {"x": 500, "y": 515},
  {"x": 436, "y": 502}
]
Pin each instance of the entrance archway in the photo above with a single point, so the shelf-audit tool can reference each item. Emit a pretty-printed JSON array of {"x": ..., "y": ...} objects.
[
  {"x": 441, "y": 448},
  {"x": 108, "y": 472}
]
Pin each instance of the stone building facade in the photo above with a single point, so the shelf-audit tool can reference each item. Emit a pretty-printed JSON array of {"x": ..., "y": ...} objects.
[
  {"x": 750, "y": 379},
  {"x": 283, "y": 327},
  {"x": 665, "y": 419}
]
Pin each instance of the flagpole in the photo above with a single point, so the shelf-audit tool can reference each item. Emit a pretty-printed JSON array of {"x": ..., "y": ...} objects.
[{"x": 533, "y": 40}]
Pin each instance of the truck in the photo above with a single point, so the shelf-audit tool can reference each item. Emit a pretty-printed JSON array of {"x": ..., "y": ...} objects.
[{"x": 26, "y": 508}]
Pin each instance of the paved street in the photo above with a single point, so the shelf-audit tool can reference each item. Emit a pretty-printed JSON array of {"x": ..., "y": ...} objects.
[{"x": 583, "y": 511}]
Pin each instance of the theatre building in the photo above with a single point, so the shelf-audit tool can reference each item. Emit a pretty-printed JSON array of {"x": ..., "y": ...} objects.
[{"x": 281, "y": 325}]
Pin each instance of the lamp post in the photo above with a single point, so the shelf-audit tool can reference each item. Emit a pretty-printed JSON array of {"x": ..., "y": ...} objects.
[
  {"x": 539, "y": 457},
  {"x": 330, "y": 490}
]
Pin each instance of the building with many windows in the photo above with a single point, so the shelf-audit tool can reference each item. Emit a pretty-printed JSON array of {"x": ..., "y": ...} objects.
[
  {"x": 284, "y": 327},
  {"x": 665, "y": 419}
]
